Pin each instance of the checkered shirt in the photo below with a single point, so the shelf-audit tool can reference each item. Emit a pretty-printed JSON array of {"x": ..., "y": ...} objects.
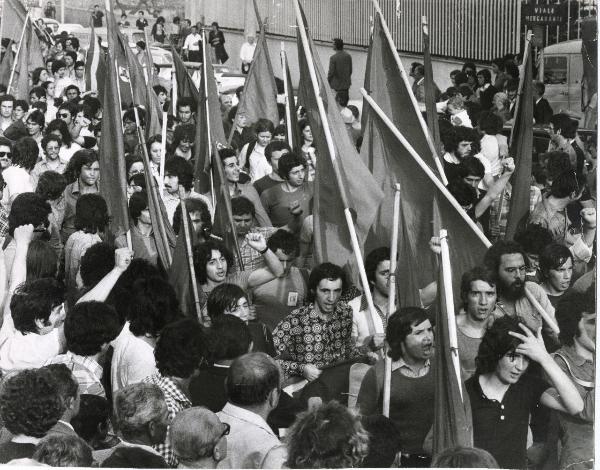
[
  {"x": 176, "y": 402},
  {"x": 86, "y": 371}
]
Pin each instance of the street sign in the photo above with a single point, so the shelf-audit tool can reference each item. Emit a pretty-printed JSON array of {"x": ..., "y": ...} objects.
[{"x": 542, "y": 14}]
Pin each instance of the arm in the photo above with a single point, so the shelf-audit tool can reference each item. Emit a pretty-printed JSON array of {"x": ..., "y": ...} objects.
[
  {"x": 282, "y": 340},
  {"x": 100, "y": 291},
  {"x": 23, "y": 236},
  {"x": 262, "y": 217},
  {"x": 331, "y": 71},
  {"x": 532, "y": 347},
  {"x": 274, "y": 267},
  {"x": 496, "y": 188},
  {"x": 295, "y": 224}
]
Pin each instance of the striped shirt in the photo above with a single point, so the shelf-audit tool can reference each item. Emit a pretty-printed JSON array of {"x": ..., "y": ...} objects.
[{"x": 86, "y": 371}]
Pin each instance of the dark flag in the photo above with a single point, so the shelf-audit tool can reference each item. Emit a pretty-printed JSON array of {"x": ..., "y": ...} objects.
[
  {"x": 28, "y": 59},
  {"x": 95, "y": 64},
  {"x": 112, "y": 157},
  {"x": 452, "y": 422},
  {"x": 293, "y": 134},
  {"x": 351, "y": 187},
  {"x": 259, "y": 98},
  {"x": 521, "y": 147},
  {"x": 6, "y": 65},
  {"x": 179, "y": 274},
  {"x": 185, "y": 84},
  {"x": 430, "y": 92}
]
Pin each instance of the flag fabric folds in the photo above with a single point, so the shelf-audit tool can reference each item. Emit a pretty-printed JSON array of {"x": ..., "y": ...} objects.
[
  {"x": 521, "y": 147},
  {"x": 294, "y": 138},
  {"x": 185, "y": 84},
  {"x": 179, "y": 274},
  {"x": 6, "y": 65},
  {"x": 95, "y": 64},
  {"x": 28, "y": 59},
  {"x": 112, "y": 157},
  {"x": 356, "y": 187},
  {"x": 430, "y": 92},
  {"x": 452, "y": 422},
  {"x": 13, "y": 19},
  {"x": 259, "y": 98}
]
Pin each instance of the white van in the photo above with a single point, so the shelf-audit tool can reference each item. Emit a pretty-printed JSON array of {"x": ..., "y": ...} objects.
[{"x": 561, "y": 70}]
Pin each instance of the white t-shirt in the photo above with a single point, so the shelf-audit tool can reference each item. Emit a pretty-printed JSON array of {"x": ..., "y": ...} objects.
[
  {"x": 132, "y": 361},
  {"x": 19, "y": 351},
  {"x": 17, "y": 181},
  {"x": 65, "y": 153},
  {"x": 247, "y": 52},
  {"x": 192, "y": 42}
]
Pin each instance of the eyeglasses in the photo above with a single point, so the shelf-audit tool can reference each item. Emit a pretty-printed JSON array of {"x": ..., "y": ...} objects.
[
  {"x": 5, "y": 154},
  {"x": 226, "y": 431}
]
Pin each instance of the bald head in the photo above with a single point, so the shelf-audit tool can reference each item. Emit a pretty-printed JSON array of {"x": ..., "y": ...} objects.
[
  {"x": 251, "y": 378},
  {"x": 195, "y": 433}
]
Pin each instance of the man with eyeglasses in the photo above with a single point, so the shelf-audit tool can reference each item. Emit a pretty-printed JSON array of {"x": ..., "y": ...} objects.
[
  {"x": 7, "y": 103},
  {"x": 253, "y": 389},
  {"x": 199, "y": 438}
]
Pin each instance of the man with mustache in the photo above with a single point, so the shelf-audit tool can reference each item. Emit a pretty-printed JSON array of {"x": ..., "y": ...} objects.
[{"x": 508, "y": 264}]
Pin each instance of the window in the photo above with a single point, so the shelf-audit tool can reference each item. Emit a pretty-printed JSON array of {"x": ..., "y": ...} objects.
[{"x": 555, "y": 70}]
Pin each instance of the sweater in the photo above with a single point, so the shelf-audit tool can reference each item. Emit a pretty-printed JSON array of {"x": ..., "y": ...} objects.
[{"x": 411, "y": 401}]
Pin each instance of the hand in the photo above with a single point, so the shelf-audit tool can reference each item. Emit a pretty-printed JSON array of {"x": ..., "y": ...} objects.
[
  {"x": 532, "y": 346},
  {"x": 123, "y": 257},
  {"x": 435, "y": 245},
  {"x": 256, "y": 241},
  {"x": 372, "y": 358},
  {"x": 509, "y": 165},
  {"x": 23, "y": 234},
  {"x": 377, "y": 341},
  {"x": 588, "y": 215},
  {"x": 311, "y": 372},
  {"x": 295, "y": 208},
  {"x": 251, "y": 312}
]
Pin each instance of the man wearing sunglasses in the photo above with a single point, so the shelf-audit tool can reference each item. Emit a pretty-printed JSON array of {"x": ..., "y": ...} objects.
[{"x": 199, "y": 438}]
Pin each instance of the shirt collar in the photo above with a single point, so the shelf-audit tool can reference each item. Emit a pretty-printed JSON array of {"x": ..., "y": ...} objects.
[
  {"x": 141, "y": 446},
  {"x": 67, "y": 424},
  {"x": 571, "y": 354},
  {"x": 402, "y": 363},
  {"x": 246, "y": 415}
]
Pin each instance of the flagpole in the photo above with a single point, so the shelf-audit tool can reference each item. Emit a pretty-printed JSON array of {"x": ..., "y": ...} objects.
[
  {"x": 208, "y": 128},
  {"x": 163, "y": 154},
  {"x": 436, "y": 181},
  {"x": 16, "y": 59},
  {"x": 188, "y": 249},
  {"x": 227, "y": 199},
  {"x": 428, "y": 137},
  {"x": 430, "y": 107},
  {"x": 328, "y": 137},
  {"x": 387, "y": 377},
  {"x": 449, "y": 301},
  {"x": 288, "y": 114},
  {"x": 174, "y": 92}
]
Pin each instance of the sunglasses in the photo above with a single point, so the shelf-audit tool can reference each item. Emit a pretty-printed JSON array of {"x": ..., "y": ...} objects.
[{"x": 5, "y": 154}]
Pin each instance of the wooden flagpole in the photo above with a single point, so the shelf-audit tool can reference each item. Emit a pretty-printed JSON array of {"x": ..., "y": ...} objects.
[
  {"x": 207, "y": 111},
  {"x": 288, "y": 113},
  {"x": 16, "y": 59},
  {"x": 349, "y": 221},
  {"x": 387, "y": 377},
  {"x": 188, "y": 249},
  {"x": 163, "y": 154},
  {"x": 449, "y": 300},
  {"x": 428, "y": 137}
]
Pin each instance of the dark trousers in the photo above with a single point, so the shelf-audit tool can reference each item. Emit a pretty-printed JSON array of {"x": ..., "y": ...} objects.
[
  {"x": 342, "y": 97},
  {"x": 195, "y": 56},
  {"x": 415, "y": 461}
]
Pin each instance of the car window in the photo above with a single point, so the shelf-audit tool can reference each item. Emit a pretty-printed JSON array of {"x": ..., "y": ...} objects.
[{"x": 555, "y": 70}]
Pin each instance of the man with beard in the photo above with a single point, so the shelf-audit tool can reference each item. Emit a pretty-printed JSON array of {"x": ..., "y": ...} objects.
[
  {"x": 508, "y": 264},
  {"x": 478, "y": 296},
  {"x": 410, "y": 337}
]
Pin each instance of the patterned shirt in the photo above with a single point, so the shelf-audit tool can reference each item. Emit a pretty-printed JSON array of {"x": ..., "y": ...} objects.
[
  {"x": 86, "y": 371},
  {"x": 303, "y": 337},
  {"x": 252, "y": 259},
  {"x": 176, "y": 402}
]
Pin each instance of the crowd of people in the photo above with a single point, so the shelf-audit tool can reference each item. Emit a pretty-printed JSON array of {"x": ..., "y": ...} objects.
[{"x": 282, "y": 363}]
